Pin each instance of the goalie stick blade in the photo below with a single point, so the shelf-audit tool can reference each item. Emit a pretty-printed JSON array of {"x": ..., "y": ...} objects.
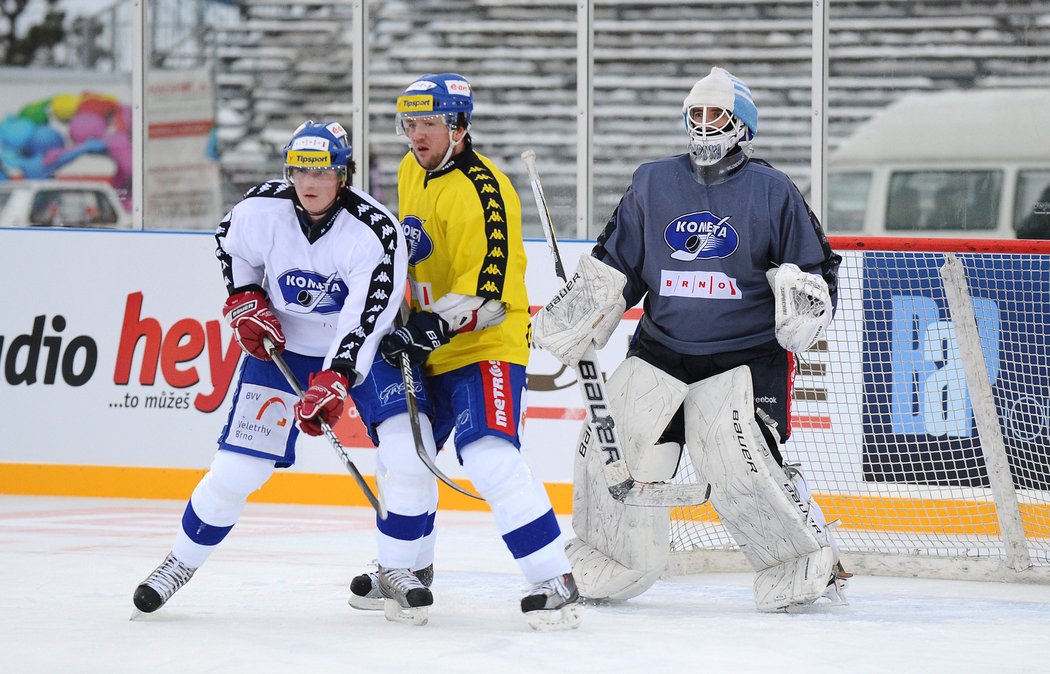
[{"x": 629, "y": 491}]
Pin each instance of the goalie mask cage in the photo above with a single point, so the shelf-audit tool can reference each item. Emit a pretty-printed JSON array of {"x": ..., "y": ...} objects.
[{"x": 922, "y": 420}]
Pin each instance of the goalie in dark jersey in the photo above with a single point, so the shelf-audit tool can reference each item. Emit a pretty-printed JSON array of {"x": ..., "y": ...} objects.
[{"x": 736, "y": 276}]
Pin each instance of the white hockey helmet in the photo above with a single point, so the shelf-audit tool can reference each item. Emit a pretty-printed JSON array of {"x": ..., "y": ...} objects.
[{"x": 719, "y": 114}]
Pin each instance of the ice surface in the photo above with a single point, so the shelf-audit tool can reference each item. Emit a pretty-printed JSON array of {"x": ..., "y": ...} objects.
[{"x": 272, "y": 598}]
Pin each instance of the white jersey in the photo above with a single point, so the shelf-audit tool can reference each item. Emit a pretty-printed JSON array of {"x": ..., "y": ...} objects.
[{"x": 336, "y": 286}]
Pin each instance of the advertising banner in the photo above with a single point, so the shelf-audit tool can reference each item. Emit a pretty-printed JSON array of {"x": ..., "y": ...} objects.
[{"x": 120, "y": 357}]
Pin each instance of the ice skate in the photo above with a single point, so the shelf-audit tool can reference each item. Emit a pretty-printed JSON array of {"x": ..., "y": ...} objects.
[
  {"x": 405, "y": 598},
  {"x": 158, "y": 587},
  {"x": 364, "y": 589},
  {"x": 552, "y": 604}
]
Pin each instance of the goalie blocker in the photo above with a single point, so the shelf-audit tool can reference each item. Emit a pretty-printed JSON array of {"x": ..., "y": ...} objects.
[{"x": 621, "y": 550}]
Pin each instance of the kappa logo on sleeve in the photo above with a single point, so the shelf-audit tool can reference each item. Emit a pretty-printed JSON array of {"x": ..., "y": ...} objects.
[{"x": 701, "y": 236}]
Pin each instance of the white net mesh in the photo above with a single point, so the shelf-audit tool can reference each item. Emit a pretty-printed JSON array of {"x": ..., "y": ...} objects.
[{"x": 883, "y": 421}]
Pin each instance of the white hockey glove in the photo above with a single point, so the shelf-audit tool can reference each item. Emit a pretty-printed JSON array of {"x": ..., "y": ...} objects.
[
  {"x": 465, "y": 313},
  {"x": 803, "y": 306},
  {"x": 587, "y": 309}
]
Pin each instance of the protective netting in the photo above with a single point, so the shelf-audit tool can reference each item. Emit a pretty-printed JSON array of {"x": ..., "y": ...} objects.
[{"x": 882, "y": 417}]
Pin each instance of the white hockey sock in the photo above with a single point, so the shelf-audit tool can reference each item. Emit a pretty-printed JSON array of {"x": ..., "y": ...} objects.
[
  {"x": 410, "y": 490},
  {"x": 520, "y": 505},
  {"x": 217, "y": 503}
]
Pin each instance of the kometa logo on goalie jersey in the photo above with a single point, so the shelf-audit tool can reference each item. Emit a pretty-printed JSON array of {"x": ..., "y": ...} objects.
[{"x": 701, "y": 235}]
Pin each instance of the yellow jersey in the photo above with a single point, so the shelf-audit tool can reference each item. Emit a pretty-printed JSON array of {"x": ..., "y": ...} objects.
[{"x": 462, "y": 224}]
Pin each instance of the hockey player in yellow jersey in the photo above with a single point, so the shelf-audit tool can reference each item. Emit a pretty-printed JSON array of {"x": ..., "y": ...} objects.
[
  {"x": 464, "y": 220},
  {"x": 469, "y": 331}
]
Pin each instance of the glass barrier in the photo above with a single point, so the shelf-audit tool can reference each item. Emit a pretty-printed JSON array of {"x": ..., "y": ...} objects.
[{"x": 913, "y": 87}]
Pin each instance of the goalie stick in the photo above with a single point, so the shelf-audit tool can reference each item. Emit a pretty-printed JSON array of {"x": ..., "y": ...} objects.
[
  {"x": 600, "y": 423},
  {"x": 376, "y": 501}
]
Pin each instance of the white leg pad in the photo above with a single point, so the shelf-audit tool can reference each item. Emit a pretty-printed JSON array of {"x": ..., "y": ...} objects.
[
  {"x": 798, "y": 581},
  {"x": 643, "y": 399},
  {"x": 619, "y": 550},
  {"x": 759, "y": 504}
]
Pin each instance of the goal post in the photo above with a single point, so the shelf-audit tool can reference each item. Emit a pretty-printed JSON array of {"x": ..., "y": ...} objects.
[{"x": 922, "y": 420}]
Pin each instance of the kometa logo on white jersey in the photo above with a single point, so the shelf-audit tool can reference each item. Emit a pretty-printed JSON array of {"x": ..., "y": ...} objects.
[
  {"x": 305, "y": 292},
  {"x": 712, "y": 285}
]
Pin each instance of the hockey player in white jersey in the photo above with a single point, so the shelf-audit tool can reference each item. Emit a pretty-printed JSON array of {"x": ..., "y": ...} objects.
[
  {"x": 736, "y": 276},
  {"x": 317, "y": 268}
]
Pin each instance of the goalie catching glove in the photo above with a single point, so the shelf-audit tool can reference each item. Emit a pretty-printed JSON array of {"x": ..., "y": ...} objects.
[
  {"x": 425, "y": 331},
  {"x": 587, "y": 309},
  {"x": 324, "y": 400},
  {"x": 803, "y": 306},
  {"x": 251, "y": 318}
]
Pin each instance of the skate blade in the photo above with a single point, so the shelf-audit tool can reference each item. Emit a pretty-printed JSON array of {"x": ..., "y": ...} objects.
[
  {"x": 365, "y": 603},
  {"x": 396, "y": 613},
  {"x": 564, "y": 618}
]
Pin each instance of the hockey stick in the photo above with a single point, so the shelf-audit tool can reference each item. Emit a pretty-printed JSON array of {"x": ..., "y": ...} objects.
[
  {"x": 376, "y": 501},
  {"x": 601, "y": 424},
  {"x": 417, "y": 431}
]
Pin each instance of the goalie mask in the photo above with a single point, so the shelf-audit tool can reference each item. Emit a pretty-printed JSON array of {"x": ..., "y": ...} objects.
[
  {"x": 719, "y": 114},
  {"x": 318, "y": 147}
]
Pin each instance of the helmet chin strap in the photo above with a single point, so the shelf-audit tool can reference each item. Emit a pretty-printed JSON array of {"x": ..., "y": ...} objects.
[
  {"x": 452, "y": 143},
  {"x": 711, "y": 174}
]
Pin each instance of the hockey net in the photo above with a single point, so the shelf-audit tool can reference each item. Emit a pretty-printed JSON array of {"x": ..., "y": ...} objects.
[{"x": 922, "y": 422}]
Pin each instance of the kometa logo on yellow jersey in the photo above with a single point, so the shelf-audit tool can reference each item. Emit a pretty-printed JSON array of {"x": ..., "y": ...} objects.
[{"x": 420, "y": 246}]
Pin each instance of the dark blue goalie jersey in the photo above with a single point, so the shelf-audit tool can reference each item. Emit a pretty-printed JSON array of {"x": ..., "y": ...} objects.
[{"x": 698, "y": 254}]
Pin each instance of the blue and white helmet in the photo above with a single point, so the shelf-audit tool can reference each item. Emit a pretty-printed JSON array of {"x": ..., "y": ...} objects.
[
  {"x": 448, "y": 95},
  {"x": 318, "y": 146},
  {"x": 712, "y": 136}
]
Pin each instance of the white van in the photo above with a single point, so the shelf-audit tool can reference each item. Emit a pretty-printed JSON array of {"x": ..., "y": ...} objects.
[
  {"x": 948, "y": 164},
  {"x": 61, "y": 203}
]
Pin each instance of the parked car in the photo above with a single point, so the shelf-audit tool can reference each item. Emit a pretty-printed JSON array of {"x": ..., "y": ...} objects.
[
  {"x": 61, "y": 203},
  {"x": 952, "y": 164}
]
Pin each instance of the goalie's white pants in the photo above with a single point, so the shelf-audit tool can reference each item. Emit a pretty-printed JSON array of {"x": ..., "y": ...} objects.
[
  {"x": 770, "y": 514},
  {"x": 216, "y": 504}
]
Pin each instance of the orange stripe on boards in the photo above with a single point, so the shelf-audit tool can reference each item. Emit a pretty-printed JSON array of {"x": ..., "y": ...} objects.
[
  {"x": 952, "y": 517},
  {"x": 570, "y": 413},
  {"x": 864, "y": 513},
  {"x": 578, "y": 414},
  {"x": 178, "y": 483},
  {"x": 104, "y": 481}
]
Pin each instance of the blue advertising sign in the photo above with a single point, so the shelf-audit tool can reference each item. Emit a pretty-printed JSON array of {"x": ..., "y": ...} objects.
[{"x": 918, "y": 419}]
